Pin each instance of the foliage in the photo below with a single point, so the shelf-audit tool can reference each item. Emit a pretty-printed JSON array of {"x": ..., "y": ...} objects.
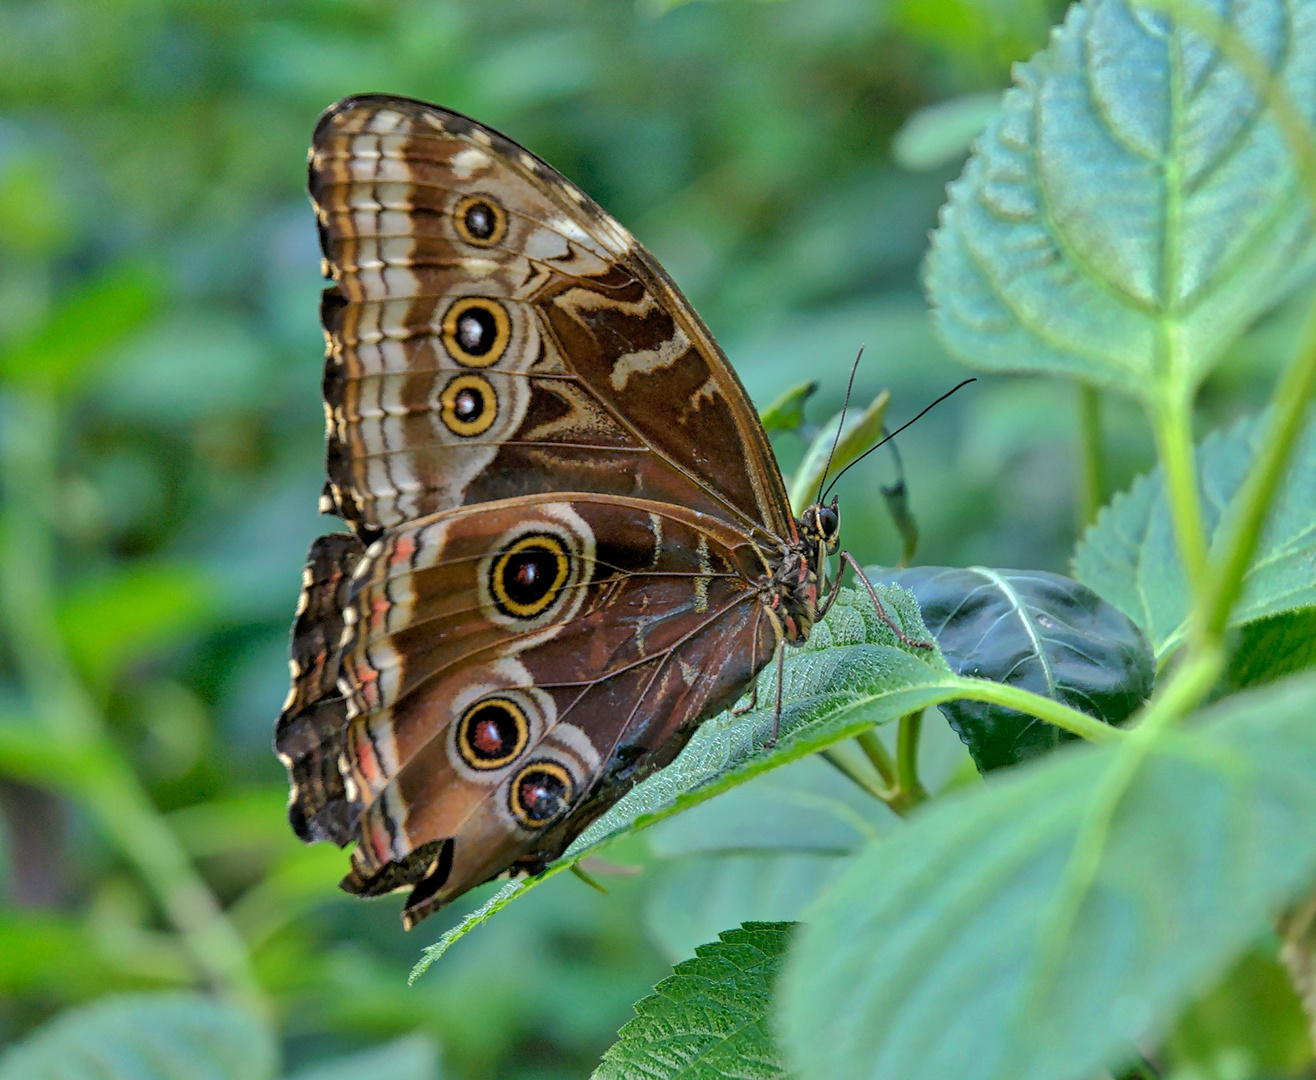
[{"x": 1130, "y": 218}]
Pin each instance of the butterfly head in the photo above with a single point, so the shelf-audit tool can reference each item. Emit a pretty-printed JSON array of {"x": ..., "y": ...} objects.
[{"x": 820, "y": 527}]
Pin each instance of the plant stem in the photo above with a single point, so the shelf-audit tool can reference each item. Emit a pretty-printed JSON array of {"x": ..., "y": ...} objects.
[
  {"x": 876, "y": 752},
  {"x": 1173, "y": 424},
  {"x": 908, "y": 786},
  {"x": 1292, "y": 394},
  {"x": 846, "y": 769},
  {"x": 106, "y": 783},
  {"x": 1092, "y": 463},
  {"x": 1044, "y": 708}
]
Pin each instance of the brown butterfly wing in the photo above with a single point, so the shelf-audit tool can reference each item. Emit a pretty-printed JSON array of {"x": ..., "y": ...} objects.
[
  {"x": 490, "y": 715},
  {"x": 492, "y": 333}
]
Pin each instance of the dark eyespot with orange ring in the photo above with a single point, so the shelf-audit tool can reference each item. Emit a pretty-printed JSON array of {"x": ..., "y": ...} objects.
[
  {"x": 527, "y": 577},
  {"x": 468, "y": 406},
  {"x": 479, "y": 220},
  {"x": 539, "y": 792},
  {"x": 476, "y": 331},
  {"x": 492, "y": 733}
]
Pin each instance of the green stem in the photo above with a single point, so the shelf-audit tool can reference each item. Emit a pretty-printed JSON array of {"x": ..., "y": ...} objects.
[
  {"x": 876, "y": 752},
  {"x": 1044, "y": 708},
  {"x": 847, "y": 769},
  {"x": 1092, "y": 462},
  {"x": 908, "y": 785},
  {"x": 108, "y": 787},
  {"x": 1292, "y": 394},
  {"x": 1173, "y": 424}
]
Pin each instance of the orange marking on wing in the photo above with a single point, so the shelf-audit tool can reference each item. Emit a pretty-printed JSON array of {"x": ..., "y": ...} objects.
[{"x": 403, "y": 548}]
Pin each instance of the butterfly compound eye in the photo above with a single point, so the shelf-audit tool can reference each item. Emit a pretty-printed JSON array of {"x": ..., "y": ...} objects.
[{"x": 827, "y": 521}]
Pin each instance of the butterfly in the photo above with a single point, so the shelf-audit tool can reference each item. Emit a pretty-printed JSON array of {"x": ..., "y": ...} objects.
[{"x": 569, "y": 542}]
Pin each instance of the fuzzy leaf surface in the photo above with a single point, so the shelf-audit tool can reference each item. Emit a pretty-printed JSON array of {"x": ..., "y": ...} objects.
[
  {"x": 709, "y": 1020},
  {"x": 1129, "y": 555},
  {"x": 1135, "y": 206},
  {"x": 1041, "y": 926}
]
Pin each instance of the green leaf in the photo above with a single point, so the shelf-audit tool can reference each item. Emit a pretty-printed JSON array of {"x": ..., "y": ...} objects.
[
  {"x": 1041, "y": 926},
  {"x": 414, "y": 1057},
  {"x": 147, "y": 1037},
  {"x": 939, "y": 134},
  {"x": 759, "y": 852},
  {"x": 1269, "y": 649},
  {"x": 1130, "y": 558},
  {"x": 787, "y": 412},
  {"x": 850, "y": 675},
  {"x": 1134, "y": 208},
  {"x": 1250, "y": 1023},
  {"x": 709, "y": 1020},
  {"x": 860, "y": 433},
  {"x": 82, "y": 330},
  {"x": 1039, "y": 631},
  {"x": 109, "y": 621}
]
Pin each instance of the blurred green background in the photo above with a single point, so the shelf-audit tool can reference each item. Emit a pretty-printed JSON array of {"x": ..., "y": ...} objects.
[{"x": 160, "y": 360}]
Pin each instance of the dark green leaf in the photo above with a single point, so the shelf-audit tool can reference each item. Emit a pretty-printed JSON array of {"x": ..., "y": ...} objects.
[
  {"x": 1038, "y": 631},
  {"x": 1039, "y": 927},
  {"x": 1134, "y": 208},
  {"x": 1129, "y": 556},
  {"x": 709, "y": 1021},
  {"x": 1269, "y": 649},
  {"x": 155, "y": 1037}
]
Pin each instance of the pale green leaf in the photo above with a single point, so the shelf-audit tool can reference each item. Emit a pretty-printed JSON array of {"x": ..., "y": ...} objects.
[
  {"x": 1134, "y": 207},
  {"x": 1130, "y": 557},
  {"x": 859, "y": 434},
  {"x": 1040, "y": 927},
  {"x": 939, "y": 134},
  {"x": 413, "y": 1057},
  {"x": 709, "y": 1020},
  {"x": 146, "y": 1037}
]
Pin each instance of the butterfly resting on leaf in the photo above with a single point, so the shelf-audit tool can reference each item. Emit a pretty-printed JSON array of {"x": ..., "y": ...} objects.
[{"x": 569, "y": 542}]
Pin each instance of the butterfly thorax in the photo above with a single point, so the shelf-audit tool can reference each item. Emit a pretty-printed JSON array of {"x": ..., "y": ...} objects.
[{"x": 794, "y": 587}]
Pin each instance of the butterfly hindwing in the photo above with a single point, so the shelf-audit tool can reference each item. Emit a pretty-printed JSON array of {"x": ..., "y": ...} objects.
[{"x": 501, "y": 708}]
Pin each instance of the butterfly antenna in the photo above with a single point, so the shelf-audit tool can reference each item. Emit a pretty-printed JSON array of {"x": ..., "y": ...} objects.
[
  {"x": 841, "y": 424},
  {"x": 893, "y": 434}
]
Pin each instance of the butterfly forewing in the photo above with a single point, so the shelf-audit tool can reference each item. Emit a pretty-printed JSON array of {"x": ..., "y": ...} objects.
[{"x": 493, "y": 333}]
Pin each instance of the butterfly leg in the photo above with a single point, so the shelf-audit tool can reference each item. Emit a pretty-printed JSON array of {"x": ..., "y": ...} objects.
[
  {"x": 741, "y": 710},
  {"x": 850, "y": 560},
  {"x": 776, "y": 710}
]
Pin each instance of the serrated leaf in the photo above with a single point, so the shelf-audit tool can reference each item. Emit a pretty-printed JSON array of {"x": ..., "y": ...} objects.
[
  {"x": 1134, "y": 207},
  {"x": 709, "y": 1020},
  {"x": 1042, "y": 925},
  {"x": 850, "y": 675},
  {"x": 1129, "y": 555},
  {"x": 146, "y": 1037},
  {"x": 1035, "y": 630}
]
